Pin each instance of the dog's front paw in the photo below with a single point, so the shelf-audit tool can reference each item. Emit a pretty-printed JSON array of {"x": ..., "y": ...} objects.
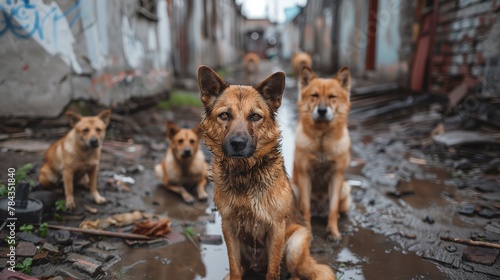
[
  {"x": 333, "y": 237},
  {"x": 189, "y": 199},
  {"x": 70, "y": 203},
  {"x": 203, "y": 196},
  {"x": 99, "y": 199}
]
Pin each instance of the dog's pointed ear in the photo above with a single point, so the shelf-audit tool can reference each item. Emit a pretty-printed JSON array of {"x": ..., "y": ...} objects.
[
  {"x": 272, "y": 89},
  {"x": 211, "y": 85},
  {"x": 197, "y": 130},
  {"x": 105, "y": 116},
  {"x": 73, "y": 118},
  {"x": 172, "y": 130},
  {"x": 306, "y": 76},
  {"x": 344, "y": 78}
]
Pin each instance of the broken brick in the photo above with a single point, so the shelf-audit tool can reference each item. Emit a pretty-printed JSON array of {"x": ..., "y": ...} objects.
[
  {"x": 87, "y": 267},
  {"x": 99, "y": 254}
]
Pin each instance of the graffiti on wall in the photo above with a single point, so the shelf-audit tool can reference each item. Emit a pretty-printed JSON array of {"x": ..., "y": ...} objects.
[{"x": 47, "y": 24}]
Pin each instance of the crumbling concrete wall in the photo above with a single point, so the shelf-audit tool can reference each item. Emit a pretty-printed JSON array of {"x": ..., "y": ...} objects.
[{"x": 53, "y": 52}]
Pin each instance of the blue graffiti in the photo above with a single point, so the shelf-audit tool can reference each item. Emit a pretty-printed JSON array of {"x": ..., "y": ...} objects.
[{"x": 24, "y": 20}]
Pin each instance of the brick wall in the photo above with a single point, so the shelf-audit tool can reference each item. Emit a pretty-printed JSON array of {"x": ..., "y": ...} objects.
[{"x": 463, "y": 34}]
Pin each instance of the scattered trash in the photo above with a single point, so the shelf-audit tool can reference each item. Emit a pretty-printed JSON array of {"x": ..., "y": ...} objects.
[
  {"x": 115, "y": 220},
  {"x": 153, "y": 228},
  {"x": 91, "y": 209},
  {"x": 125, "y": 179}
]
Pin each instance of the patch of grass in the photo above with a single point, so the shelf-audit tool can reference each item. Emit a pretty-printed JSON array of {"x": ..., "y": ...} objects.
[
  {"x": 43, "y": 230},
  {"x": 25, "y": 266},
  {"x": 180, "y": 99},
  {"x": 27, "y": 228}
]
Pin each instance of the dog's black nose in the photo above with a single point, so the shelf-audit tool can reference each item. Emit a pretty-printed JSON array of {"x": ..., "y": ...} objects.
[
  {"x": 186, "y": 152},
  {"x": 238, "y": 143},
  {"x": 322, "y": 111},
  {"x": 94, "y": 142}
]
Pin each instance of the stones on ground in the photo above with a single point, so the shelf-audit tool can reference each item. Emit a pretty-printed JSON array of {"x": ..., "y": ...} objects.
[
  {"x": 451, "y": 248},
  {"x": 26, "y": 236},
  {"x": 104, "y": 245},
  {"x": 79, "y": 245},
  {"x": 488, "y": 213},
  {"x": 467, "y": 209},
  {"x": 25, "y": 249},
  {"x": 429, "y": 220},
  {"x": 72, "y": 273},
  {"x": 442, "y": 257},
  {"x": 486, "y": 256},
  {"x": 98, "y": 254},
  {"x": 62, "y": 237},
  {"x": 41, "y": 258},
  {"x": 51, "y": 248}
]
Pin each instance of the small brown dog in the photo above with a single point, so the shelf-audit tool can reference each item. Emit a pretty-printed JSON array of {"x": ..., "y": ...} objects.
[
  {"x": 184, "y": 163},
  {"x": 299, "y": 60},
  {"x": 75, "y": 158},
  {"x": 260, "y": 220},
  {"x": 322, "y": 144},
  {"x": 251, "y": 62}
]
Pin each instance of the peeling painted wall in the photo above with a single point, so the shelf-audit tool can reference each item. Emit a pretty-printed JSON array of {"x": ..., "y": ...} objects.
[{"x": 52, "y": 52}]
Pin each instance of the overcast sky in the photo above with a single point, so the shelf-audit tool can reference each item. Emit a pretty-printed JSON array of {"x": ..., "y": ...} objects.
[{"x": 263, "y": 8}]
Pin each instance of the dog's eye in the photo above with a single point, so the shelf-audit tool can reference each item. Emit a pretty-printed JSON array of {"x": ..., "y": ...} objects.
[
  {"x": 315, "y": 95},
  {"x": 85, "y": 130},
  {"x": 98, "y": 130},
  {"x": 180, "y": 141},
  {"x": 332, "y": 96},
  {"x": 254, "y": 117},
  {"x": 224, "y": 116},
  {"x": 191, "y": 141}
]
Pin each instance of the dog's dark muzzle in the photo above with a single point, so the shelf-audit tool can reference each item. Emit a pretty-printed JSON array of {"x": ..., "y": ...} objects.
[
  {"x": 94, "y": 143},
  {"x": 238, "y": 145},
  {"x": 186, "y": 153}
]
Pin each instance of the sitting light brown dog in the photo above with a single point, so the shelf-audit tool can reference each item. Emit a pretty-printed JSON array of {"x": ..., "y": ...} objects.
[
  {"x": 184, "y": 164},
  {"x": 75, "y": 157}
]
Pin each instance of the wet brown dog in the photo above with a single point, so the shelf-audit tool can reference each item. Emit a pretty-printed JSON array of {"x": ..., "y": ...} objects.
[
  {"x": 322, "y": 145},
  {"x": 251, "y": 62},
  {"x": 184, "y": 163},
  {"x": 260, "y": 221},
  {"x": 75, "y": 158}
]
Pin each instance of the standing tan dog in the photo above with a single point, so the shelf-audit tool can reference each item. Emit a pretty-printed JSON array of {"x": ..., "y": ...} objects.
[
  {"x": 75, "y": 158},
  {"x": 251, "y": 62},
  {"x": 184, "y": 164},
  {"x": 260, "y": 221},
  {"x": 322, "y": 144},
  {"x": 300, "y": 60}
]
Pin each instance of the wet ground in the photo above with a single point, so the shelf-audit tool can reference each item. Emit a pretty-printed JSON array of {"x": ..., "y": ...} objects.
[{"x": 409, "y": 191}]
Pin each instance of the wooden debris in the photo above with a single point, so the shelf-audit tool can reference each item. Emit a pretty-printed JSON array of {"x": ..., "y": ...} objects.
[
  {"x": 102, "y": 232},
  {"x": 470, "y": 242}
]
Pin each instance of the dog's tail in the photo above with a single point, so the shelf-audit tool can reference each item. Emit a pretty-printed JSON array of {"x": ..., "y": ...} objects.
[
  {"x": 159, "y": 171},
  {"x": 299, "y": 261}
]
